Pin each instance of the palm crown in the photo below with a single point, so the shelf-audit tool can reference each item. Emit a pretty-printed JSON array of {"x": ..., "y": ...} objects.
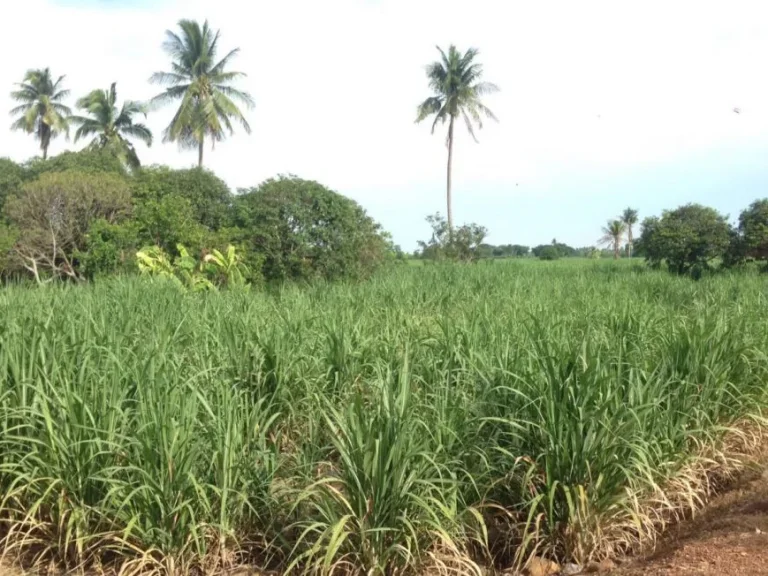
[
  {"x": 613, "y": 232},
  {"x": 41, "y": 111},
  {"x": 111, "y": 126},
  {"x": 457, "y": 88},
  {"x": 202, "y": 84},
  {"x": 629, "y": 217}
]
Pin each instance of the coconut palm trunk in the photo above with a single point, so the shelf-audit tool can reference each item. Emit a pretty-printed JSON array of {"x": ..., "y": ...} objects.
[
  {"x": 200, "y": 153},
  {"x": 448, "y": 178}
]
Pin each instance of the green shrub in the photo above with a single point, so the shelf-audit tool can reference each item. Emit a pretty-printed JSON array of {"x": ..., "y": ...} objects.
[
  {"x": 305, "y": 231},
  {"x": 548, "y": 253}
]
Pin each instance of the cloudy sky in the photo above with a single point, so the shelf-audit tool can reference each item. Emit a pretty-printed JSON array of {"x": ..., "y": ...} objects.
[{"x": 603, "y": 104}]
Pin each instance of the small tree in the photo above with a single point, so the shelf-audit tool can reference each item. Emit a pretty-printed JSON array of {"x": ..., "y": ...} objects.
[
  {"x": 208, "y": 195},
  {"x": 548, "y": 252},
  {"x": 751, "y": 239},
  {"x": 303, "y": 230},
  {"x": 463, "y": 244},
  {"x": 54, "y": 214},
  {"x": 688, "y": 238}
]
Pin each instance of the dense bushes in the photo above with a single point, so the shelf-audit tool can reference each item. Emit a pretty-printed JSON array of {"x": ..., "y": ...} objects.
[
  {"x": 82, "y": 216},
  {"x": 304, "y": 230},
  {"x": 53, "y": 215}
]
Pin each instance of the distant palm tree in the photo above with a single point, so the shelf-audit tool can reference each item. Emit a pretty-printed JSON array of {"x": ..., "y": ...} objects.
[
  {"x": 41, "y": 111},
  {"x": 111, "y": 126},
  {"x": 613, "y": 232},
  {"x": 202, "y": 84},
  {"x": 629, "y": 217},
  {"x": 455, "y": 81}
]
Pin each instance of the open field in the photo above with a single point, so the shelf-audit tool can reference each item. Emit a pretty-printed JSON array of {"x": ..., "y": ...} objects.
[{"x": 434, "y": 418}]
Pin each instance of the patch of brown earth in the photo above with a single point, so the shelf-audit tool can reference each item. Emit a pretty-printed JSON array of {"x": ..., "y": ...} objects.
[{"x": 728, "y": 538}]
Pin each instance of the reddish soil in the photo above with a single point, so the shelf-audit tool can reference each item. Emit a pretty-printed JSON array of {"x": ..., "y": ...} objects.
[{"x": 728, "y": 538}]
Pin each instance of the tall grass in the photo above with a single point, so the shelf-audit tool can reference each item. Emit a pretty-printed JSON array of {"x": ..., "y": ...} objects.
[{"x": 435, "y": 418}]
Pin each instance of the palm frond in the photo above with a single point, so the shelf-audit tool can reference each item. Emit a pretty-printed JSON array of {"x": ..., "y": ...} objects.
[
  {"x": 238, "y": 95},
  {"x": 140, "y": 132}
]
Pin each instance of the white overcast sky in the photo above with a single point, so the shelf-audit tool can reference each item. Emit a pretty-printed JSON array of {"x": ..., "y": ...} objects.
[{"x": 603, "y": 104}]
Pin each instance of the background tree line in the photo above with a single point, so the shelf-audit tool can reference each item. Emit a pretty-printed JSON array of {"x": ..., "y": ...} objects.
[{"x": 81, "y": 215}]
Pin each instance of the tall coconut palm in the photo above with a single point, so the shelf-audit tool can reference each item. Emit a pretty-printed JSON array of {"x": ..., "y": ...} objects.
[
  {"x": 613, "y": 233},
  {"x": 629, "y": 217},
  {"x": 41, "y": 111},
  {"x": 111, "y": 127},
  {"x": 202, "y": 85},
  {"x": 457, "y": 88}
]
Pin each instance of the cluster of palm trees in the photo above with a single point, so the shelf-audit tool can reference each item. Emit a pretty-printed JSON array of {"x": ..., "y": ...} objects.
[
  {"x": 201, "y": 83},
  {"x": 208, "y": 103},
  {"x": 614, "y": 231}
]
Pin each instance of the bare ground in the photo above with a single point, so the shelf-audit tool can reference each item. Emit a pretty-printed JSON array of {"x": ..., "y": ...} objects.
[{"x": 728, "y": 538}]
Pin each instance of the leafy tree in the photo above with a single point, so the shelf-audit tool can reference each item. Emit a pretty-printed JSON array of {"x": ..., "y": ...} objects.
[
  {"x": 750, "y": 240},
  {"x": 41, "y": 111},
  {"x": 12, "y": 176},
  {"x": 208, "y": 195},
  {"x": 110, "y": 248},
  {"x": 613, "y": 233},
  {"x": 167, "y": 222},
  {"x": 462, "y": 243},
  {"x": 9, "y": 235},
  {"x": 688, "y": 238},
  {"x": 111, "y": 127},
  {"x": 54, "y": 214},
  {"x": 548, "y": 252},
  {"x": 84, "y": 162},
  {"x": 457, "y": 89},
  {"x": 203, "y": 85},
  {"x": 629, "y": 218},
  {"x": 303, "y": 230}
]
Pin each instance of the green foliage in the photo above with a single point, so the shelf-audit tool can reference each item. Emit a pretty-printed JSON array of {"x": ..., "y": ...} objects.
[
  {"x": 53, "y": 215},
  {"x": 751, "y": 239},
  {"x": 208, "y": 195},
  {"x": 85, "y": 161},
  {"x": 462, "y": 243},
  {"x": 41, "y": 111},
  {"x": 168, "y": 222},
  {"x": 202, "y": 85},
  {"x": 111, "y": 127},
  {"x": 433, "y": 416},
  {"x": 547, "y": 252},
  {"x": 688, "y": 238},
  {"x": 109, "y": 249},
  {"x": 214, "y": 270},
  {"x": 304, "y": 231},
  {"x": 11, "y": 177},
  {"x": 9, "y": 235}
]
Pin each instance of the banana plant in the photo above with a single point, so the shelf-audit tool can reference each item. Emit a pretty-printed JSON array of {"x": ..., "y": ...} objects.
[
  {"x": 191, "y": 272},
  {"x": 152, "y": 260},
  {"x": 230, "y": 266}
]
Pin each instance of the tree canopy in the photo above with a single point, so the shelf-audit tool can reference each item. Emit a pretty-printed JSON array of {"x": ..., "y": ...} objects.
[
  {"x": 304, "y": 231},
  {"x": 688, "y": 238}
]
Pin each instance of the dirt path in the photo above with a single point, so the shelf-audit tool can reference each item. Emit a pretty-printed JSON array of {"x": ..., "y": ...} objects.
[{"x": 728, "y": 538}]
